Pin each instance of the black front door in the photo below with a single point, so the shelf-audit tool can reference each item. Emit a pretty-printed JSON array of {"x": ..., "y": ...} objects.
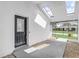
[{"x": 20, "y": 30}]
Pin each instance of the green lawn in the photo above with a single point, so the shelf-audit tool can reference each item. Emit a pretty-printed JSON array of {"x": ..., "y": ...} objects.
[
  {"x": 65, "y": 36},
  {"x": 64, "y": 32}
]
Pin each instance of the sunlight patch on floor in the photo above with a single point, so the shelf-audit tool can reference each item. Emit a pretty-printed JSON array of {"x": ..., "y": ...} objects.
[
  {"x": 33, "y": 49},
  {"x": 30, "y": 50},
  {"x": 42, "y": 46},
  {"x": 62, "y": 39}
]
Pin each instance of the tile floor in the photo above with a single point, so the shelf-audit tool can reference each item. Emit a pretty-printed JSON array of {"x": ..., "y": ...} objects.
[{"x": 71, "y": 50}]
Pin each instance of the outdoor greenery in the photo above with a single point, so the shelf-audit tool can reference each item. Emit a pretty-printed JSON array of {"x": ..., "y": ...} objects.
[{"x": 65, "y": 34}]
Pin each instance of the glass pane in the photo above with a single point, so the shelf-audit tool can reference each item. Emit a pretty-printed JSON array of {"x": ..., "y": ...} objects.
[
  {"x": 70, "y": 6},
  {"x": 47, "y": 11},
  {"x": 20, "y": 25},
  {"x": 65, "y": 31}
]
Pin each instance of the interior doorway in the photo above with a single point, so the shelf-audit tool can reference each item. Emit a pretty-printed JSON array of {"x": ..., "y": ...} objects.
[
  {"x": 66, "y": 30},
  {"x": 20, "y": 30}
]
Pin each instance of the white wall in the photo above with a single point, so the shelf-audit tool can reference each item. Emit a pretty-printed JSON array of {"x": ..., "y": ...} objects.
[
  {"x": 7, "y": 12},
  {"x": 37, "y": 33}
]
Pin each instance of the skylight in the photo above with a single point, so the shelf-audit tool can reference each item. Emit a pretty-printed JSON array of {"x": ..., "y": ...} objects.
[
  {"x": 70, "y": 7},
  {"x": 40, "y": 21},
  {"x": 48, "y": 12}
]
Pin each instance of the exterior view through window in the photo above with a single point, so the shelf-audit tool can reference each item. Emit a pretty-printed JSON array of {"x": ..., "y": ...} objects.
[{"x": 65, "y": 30}]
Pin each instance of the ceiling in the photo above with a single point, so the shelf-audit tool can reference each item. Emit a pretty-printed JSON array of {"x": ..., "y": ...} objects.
[{"x": 58, "y": 9}]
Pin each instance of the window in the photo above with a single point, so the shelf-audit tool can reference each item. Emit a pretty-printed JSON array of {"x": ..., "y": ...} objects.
[
  {"x": 70, "y": 7},
  {"x": 48, "y": 12},
  {"x": 40, "y": 21}
]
